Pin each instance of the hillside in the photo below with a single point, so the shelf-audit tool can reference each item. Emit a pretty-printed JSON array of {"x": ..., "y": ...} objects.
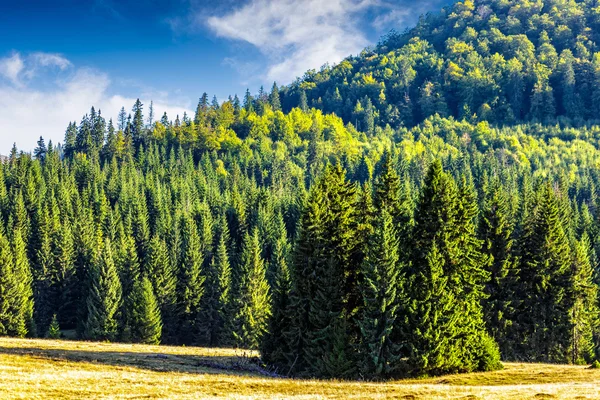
[
  {"x": 60, "y": 369},
  {"x": 500, "y": 61}
]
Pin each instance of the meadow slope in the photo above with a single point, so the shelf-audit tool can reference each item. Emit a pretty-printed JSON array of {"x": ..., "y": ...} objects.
[{"x": 34, "y": 369}]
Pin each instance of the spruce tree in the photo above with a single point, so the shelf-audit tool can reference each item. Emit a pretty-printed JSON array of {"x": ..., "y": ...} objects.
[
  {"x": 325, "y": 296},
  {"x": 214, "y": 316},
  {"x": 274, "y": 346},
  {"x": 104, "y": 297},
  {"x": 496, "y": 232},
  {"x": 190, "y": 288},
  {"x": 12, "y": 321},
  {"x": 164, "y": 281},
  {"x": 381, "y": 289},
  {"x": 543, "y": 324},
  {"x": 24, "y": 279},
  {"x": 585, "y": 313},
  {"x": 145, "y": 320},
  {"x": 251, "y": 321},
  {"x": 445, "y": 331},
  {"x": 53, "y": 329}
]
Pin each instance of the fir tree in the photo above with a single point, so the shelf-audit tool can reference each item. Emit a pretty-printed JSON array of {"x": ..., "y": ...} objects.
[
  {"x": 146, "y": 324},
  {"x": 543, "y": 324},
  {"x": 104, "y": 297},
  {"x": 190, "y": 287},
  {"x": 381, "y": 289},
  {"x": 12, "y": 321},
  {"x": 164, "y": 281},
  {"x": 251, "y": 321},
  {"x": 496, "y": 231},
  {"x": 53, "y": 329}
]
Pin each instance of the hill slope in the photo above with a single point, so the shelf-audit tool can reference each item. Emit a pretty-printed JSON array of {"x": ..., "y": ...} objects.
[{"x": 495, "y": 60}]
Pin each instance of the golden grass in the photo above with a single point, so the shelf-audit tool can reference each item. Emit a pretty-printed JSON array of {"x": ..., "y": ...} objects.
[{"x": 40, "y": 369}]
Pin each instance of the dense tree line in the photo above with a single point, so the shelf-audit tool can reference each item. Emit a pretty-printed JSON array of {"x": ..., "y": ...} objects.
[
  {"x": 431, "y": 250},
  {"x": 414, "y": 210}
]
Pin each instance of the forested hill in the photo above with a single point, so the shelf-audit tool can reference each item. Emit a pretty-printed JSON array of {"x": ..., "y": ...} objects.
[
  {"x": 496, "y": 60},
  {"x": 358, "y": 245}
]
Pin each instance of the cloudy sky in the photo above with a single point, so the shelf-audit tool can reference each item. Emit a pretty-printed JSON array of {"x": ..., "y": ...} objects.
[{"x": 60, "y": 57}]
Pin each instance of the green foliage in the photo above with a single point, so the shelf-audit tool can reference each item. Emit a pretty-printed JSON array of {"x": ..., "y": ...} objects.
[
  {"x": 104, "y": 298},
  {"x": 381, "y": 290},
  {"x": 146, "y": 324},
  {"x": 234, "y": 228},
  {"x": 445, "y": 331},
  {"x": 254, "y": 304},
  {"x": 53, "y": 329}
]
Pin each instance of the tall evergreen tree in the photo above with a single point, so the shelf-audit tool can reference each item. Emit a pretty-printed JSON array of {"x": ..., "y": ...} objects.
[
  {"x": 214, "y": 317},
  {"x": 585, "y": 313},
  {"x": 543, "y": 324},
  {"x": 146, "y": 324},
  {"x": 381, "y": 289},
  {"x": 164, "y": 281},
  {"x": 496, "y": 232},
  {"x": 274, "y": 345},
  {"x": 190, "y": 287},
  {"x": 445, "y": 331},
  {"x": 251, "y": 321},
  {"x": 12, "y": 315},
  {"x": 104, "y": 297}
]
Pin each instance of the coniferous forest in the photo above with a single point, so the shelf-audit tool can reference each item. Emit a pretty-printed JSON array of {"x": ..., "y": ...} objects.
[{"x": 429, "y": 206}]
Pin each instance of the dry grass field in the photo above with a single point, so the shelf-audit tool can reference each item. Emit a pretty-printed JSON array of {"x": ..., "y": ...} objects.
[{"x": 36, "y": 369}]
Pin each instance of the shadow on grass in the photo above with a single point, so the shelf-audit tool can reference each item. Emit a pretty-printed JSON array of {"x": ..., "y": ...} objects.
[{"x": 159, "y": 362}]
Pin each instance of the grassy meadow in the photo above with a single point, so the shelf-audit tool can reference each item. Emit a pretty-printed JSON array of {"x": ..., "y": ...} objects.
[{"x": 36, "y": 369}]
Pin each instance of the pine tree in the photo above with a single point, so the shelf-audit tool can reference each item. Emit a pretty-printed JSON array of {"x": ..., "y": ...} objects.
[
  {"x": 190, "y": 287},
  {"x": 496, "y": 231},
  {"x": 251, "y": 321},
  {"x": 585, "y": 313},
  {"x": 146, "y": 324},
  {"x": 274, "y": 345},
  {"x": 445, "y": 331},
  {"x": 381, "y": 289},
  {"x": 104, "y": 297},
  {"x": 164, "y": 281},
  {"x": 543, "y": 324},
  {"x": 12, "y": 321},
  {"x": 53, "y": 329}
]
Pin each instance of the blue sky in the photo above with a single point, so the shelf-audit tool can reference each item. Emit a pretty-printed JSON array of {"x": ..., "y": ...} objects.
[{"x": 58, "y": 58}]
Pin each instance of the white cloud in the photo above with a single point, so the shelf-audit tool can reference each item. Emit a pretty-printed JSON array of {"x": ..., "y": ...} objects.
[
  {"x": 50, "y": 60},
  {"x": 11, "y": 67},
  {"x": 26, "y": 113},
  {"x": 296, "y": 35}
]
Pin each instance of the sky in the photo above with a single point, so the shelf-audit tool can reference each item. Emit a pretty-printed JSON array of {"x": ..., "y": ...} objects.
[{"x": 60, "y": 57}]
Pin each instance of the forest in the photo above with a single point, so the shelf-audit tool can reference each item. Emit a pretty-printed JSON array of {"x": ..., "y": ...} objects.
[{"x": 424, "y": 208}]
